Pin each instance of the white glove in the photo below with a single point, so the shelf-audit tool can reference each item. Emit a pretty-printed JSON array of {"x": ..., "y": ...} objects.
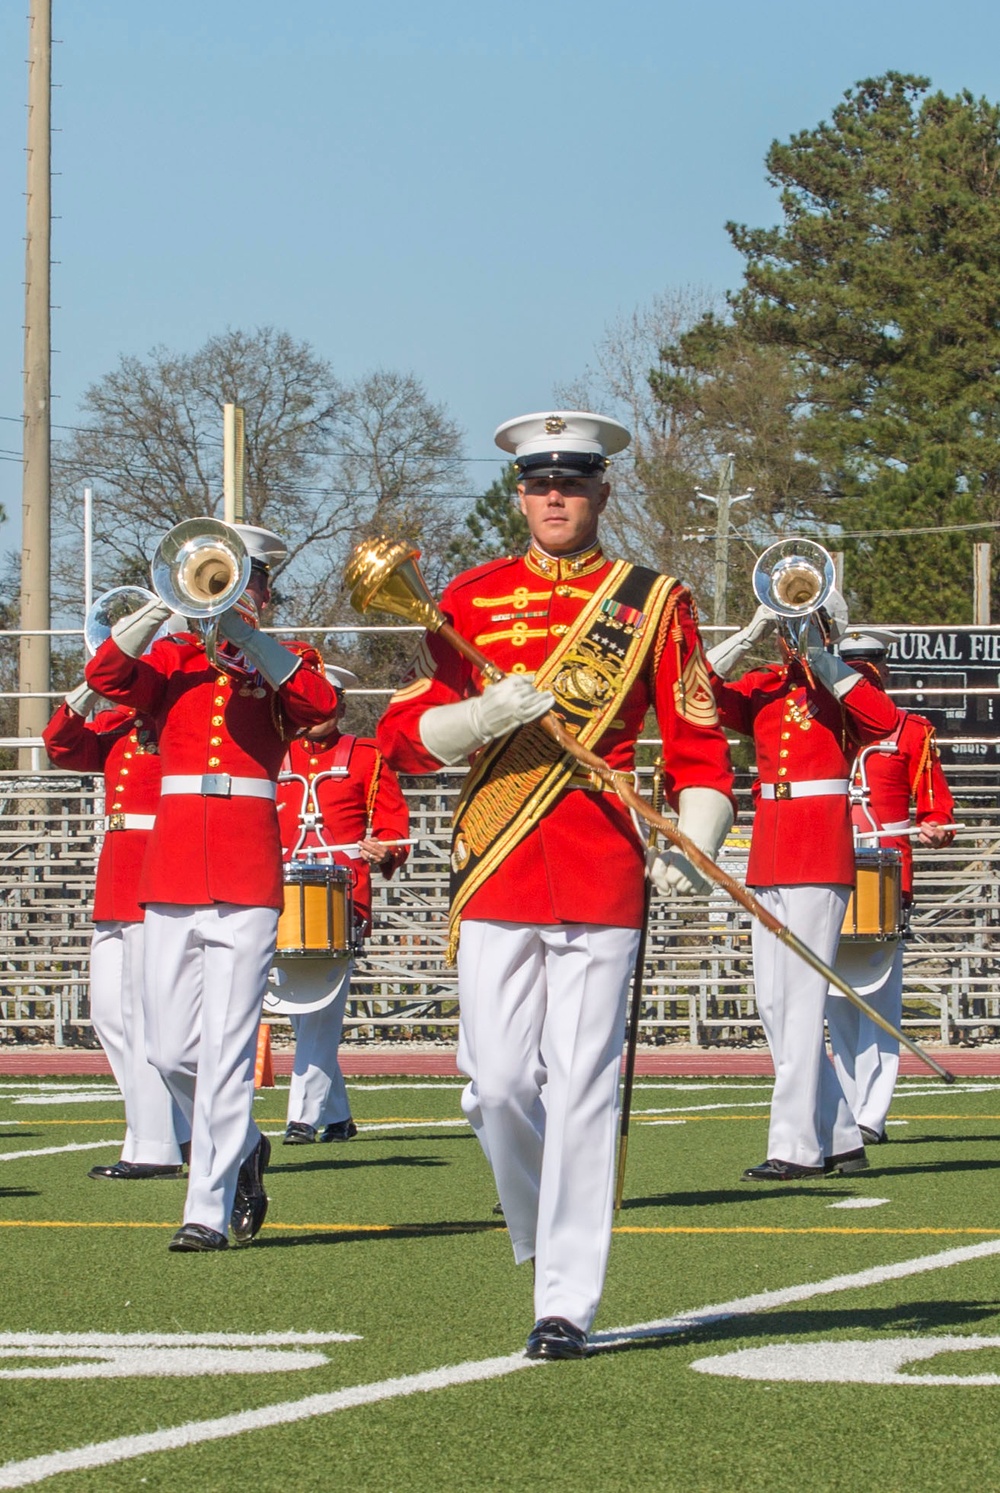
[
  {"x": 832, "y": 671},
  {"x": 725, "y": 656},
  {"x": 134, "y": 633},
  {"x": 82, "y": 700},
  {"x": 276, "y": 662},
  {"x": 451, "y": 732},
  {"x": 706, "y": 818}
]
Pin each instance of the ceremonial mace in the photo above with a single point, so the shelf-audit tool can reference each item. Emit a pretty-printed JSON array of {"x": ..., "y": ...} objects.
[{"x": 383, "y": 573}]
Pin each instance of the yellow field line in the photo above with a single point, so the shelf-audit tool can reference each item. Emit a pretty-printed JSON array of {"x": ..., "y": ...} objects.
[{"x": 484, "y": 1225}]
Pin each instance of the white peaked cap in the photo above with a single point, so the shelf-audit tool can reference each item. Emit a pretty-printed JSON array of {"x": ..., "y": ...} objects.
[
  {"x": 262, "y": 545},
  {"x": 341, "y": 678},
  {"x": 836, "y": 609},
  {"x": 562, "y": 435},
  {"x": 861, "y": 642}
]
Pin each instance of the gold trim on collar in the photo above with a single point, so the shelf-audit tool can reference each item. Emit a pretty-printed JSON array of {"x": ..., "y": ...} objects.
[{"x": 554, "y": 569}]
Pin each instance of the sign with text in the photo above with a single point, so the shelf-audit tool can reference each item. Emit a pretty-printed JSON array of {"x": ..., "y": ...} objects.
[{"x": 952, "y": 676}]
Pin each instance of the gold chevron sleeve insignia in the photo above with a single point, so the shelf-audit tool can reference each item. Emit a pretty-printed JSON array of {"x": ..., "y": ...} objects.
[
  {"x": 693, "y": 695},
  {"x": 411, "y": 691}
]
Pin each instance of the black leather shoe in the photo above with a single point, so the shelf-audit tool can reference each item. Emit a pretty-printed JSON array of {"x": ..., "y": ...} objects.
[
  {"x": 846, "y": 1161},
  {"x": 297, "y": 1133},
  {"x": 554, "y": 1337},
  {"x": 871, "y": 1137},
  {"x": 342, "y": 1130},
  {"x": 781, "y": 1171},
  {"x": 195, "y": 1238},
  {"x": 133, "y": 1171},
  {"x": 250, "y": 1203}
]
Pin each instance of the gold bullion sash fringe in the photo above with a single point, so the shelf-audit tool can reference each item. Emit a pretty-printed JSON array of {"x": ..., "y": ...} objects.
[{"x": 516, "y": 779}]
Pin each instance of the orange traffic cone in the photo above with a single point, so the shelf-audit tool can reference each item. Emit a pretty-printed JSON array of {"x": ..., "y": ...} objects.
[{"x": 263, "y": 1073}]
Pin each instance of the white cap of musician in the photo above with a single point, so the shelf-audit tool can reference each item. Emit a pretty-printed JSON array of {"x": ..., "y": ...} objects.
[
  {"x": 341, "y": 679},
  {"x": 866, "y": 642},
  {"x": 573, "y": 443},
  {"x": 262, "y": 545}
]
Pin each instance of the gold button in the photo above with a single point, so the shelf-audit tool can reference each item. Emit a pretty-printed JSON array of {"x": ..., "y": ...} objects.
[
  {"x": 221, "y": 679},
  {"x": 123, "y": 772},
  {"x": 563, "y": 590},
  {"x": 219, "y": 700},
  {"x": 785, "y": 735},
  {"x": 783, "y": 752},
  {"x": 213, "y": 761},
  {"x": 559, "y": 630},
  {"x": 128, "y": 756},
  {"x": 782, "y": 771},
  {"x": 215, "y": 741},
  {"x": 313, "y": 761},
  {"x": 217, "y": 720},
  {"x": 116, "y": 804}
]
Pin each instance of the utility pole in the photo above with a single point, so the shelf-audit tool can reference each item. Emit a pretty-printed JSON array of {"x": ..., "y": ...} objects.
[
  {"x": 34, "y": 671},
  {"x": 234, "y": 447},
  {"x": 981, "y": 584},
  {"x": 723, "y": 502}
]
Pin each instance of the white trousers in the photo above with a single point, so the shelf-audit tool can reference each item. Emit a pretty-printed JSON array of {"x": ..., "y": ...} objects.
[
  {"x": 540, "y": 1035},
  {"x": 810, "y": 1117},
  {"x": 154, "y": 1127},
  {"x": 206, "y": 972},
  {"x": 317, "y": 1095},
  {"x": 866, "y": 1057}
]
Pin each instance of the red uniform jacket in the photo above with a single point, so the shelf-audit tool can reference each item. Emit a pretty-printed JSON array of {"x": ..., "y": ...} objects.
[
  {"x": 361, "y": 799},
  {"x": 208, "y": 848},
  {"x": 802, "y": 732},
  {"x": 123, "y": 746},
  {"x": 912, "y": 770},
  {"x": 583, "y": 862}
]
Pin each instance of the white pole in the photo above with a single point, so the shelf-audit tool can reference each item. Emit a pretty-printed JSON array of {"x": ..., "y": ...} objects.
[{"x": 88, "y": 549}]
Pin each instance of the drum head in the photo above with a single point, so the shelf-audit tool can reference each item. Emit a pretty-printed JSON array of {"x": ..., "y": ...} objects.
[
  {"x": 295, "y": 987},
  {"x": 865, "y": 963}
]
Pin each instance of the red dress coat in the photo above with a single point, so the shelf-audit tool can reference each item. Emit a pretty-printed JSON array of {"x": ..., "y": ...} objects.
[
  {"x": 209, "y": 848},
  {"x": 913, "y": 771},
  {"x": 122, "y": 745},
  {"x": 366, "y": 800},
  {"x": 801, "y": 733},
  {"x": 583, "y": 861}
]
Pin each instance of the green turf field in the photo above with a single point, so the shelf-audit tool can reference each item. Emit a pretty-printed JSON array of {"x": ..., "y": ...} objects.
[{"x": 843, "y": 1334}]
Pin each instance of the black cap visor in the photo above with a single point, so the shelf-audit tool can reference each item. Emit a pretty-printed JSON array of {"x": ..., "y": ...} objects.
[{"x": 561, "y": 464}]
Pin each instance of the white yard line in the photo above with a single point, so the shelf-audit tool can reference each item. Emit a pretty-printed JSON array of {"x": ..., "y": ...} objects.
[
  {"x": 86, "y": 1145},
  {"x": 124, "y": 1448}
]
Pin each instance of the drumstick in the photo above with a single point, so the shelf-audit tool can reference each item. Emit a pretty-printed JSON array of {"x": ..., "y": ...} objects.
[
  {"x": 352, "y": 849},
  {"x": 899, "y": 834}
]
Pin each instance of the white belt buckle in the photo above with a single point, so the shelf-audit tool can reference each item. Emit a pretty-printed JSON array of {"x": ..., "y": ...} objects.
[{"x": 218, "y": 784}]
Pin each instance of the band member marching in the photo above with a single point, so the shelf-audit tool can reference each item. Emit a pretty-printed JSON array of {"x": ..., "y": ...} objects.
[
  {"x": 334, "y": 789},
  {"x": 211, "y": 880},
  {"x": 905, "y": 765},
  {"x": 547, "y": 869},
  {"x": 121, "y": 744},
  {"x": 807, "y": 717}
]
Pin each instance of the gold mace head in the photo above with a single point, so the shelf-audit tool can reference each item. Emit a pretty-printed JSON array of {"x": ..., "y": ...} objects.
[{"x": 383, "y": 573}]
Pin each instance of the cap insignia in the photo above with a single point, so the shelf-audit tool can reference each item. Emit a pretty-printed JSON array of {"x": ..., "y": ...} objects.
[{"x": 555, "y": 425}]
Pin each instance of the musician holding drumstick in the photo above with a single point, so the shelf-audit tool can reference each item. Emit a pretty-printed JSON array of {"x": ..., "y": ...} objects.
[
  {"x": 905, "y": 765},
  {"x": 211, "y": 881},
  {"x": 334, "y": 790},
  {"x": 807, "y": 717}
]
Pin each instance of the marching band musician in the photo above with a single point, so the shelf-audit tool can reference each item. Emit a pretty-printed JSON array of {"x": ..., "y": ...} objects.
[
  {"x": 807, "y": 717},
  {"x": 344, "y": 782},
  {"x": 211, "y": 880},
  {"x": 547, "y": 869},
  {"x": 905, "y": 766},
  {"x": 121, "y": 744}
]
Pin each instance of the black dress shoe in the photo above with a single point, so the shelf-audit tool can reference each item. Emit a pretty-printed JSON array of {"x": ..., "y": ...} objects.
[
  {"x": 872, "y": 1137},
  {"x": 195, "y": 1238},
  {"x": 297, "y": 1133},
  {"x": 133, "y": 1171},
  {"x": 554, "y": 1337},
  {"x": 250, "y": 1203},
  {"x": 846, "y": 1161},
  {"x": 781, "y": 1171},
  {"x": 342, "y": 1130}
]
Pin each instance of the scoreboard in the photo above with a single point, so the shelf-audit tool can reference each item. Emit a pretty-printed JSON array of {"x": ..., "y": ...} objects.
[{"x": 952, "y": 676}]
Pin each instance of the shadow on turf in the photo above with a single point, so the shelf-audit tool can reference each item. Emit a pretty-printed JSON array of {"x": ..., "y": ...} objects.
[
  {"x": 18, "y": 1192},
  {"x": 907, "y": 1317},
  {"x": 338, "y": 1163},
  {"x": 442, "y": 1230}
]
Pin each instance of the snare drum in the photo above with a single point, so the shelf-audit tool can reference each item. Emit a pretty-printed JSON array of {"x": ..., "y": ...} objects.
[
  {"x": 875, "y": 908},
  {"x": 318, "y": 915}
]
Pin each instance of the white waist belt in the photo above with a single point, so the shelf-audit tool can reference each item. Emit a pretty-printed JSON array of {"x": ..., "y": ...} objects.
[
  {"x": 129, "y": 821},
  {"x": 814, "y": 788},
  {"x": 218, "y": 785}
]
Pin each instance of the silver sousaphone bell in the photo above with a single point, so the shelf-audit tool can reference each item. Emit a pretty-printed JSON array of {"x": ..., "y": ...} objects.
[
  {"x": 200, "y": 568},
  {"x": 110, "y": 607},
  {"x": 794, "y": 578}
]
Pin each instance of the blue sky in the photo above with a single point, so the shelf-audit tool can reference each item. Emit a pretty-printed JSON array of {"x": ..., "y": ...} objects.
[{"x": 470, "y": 193}]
